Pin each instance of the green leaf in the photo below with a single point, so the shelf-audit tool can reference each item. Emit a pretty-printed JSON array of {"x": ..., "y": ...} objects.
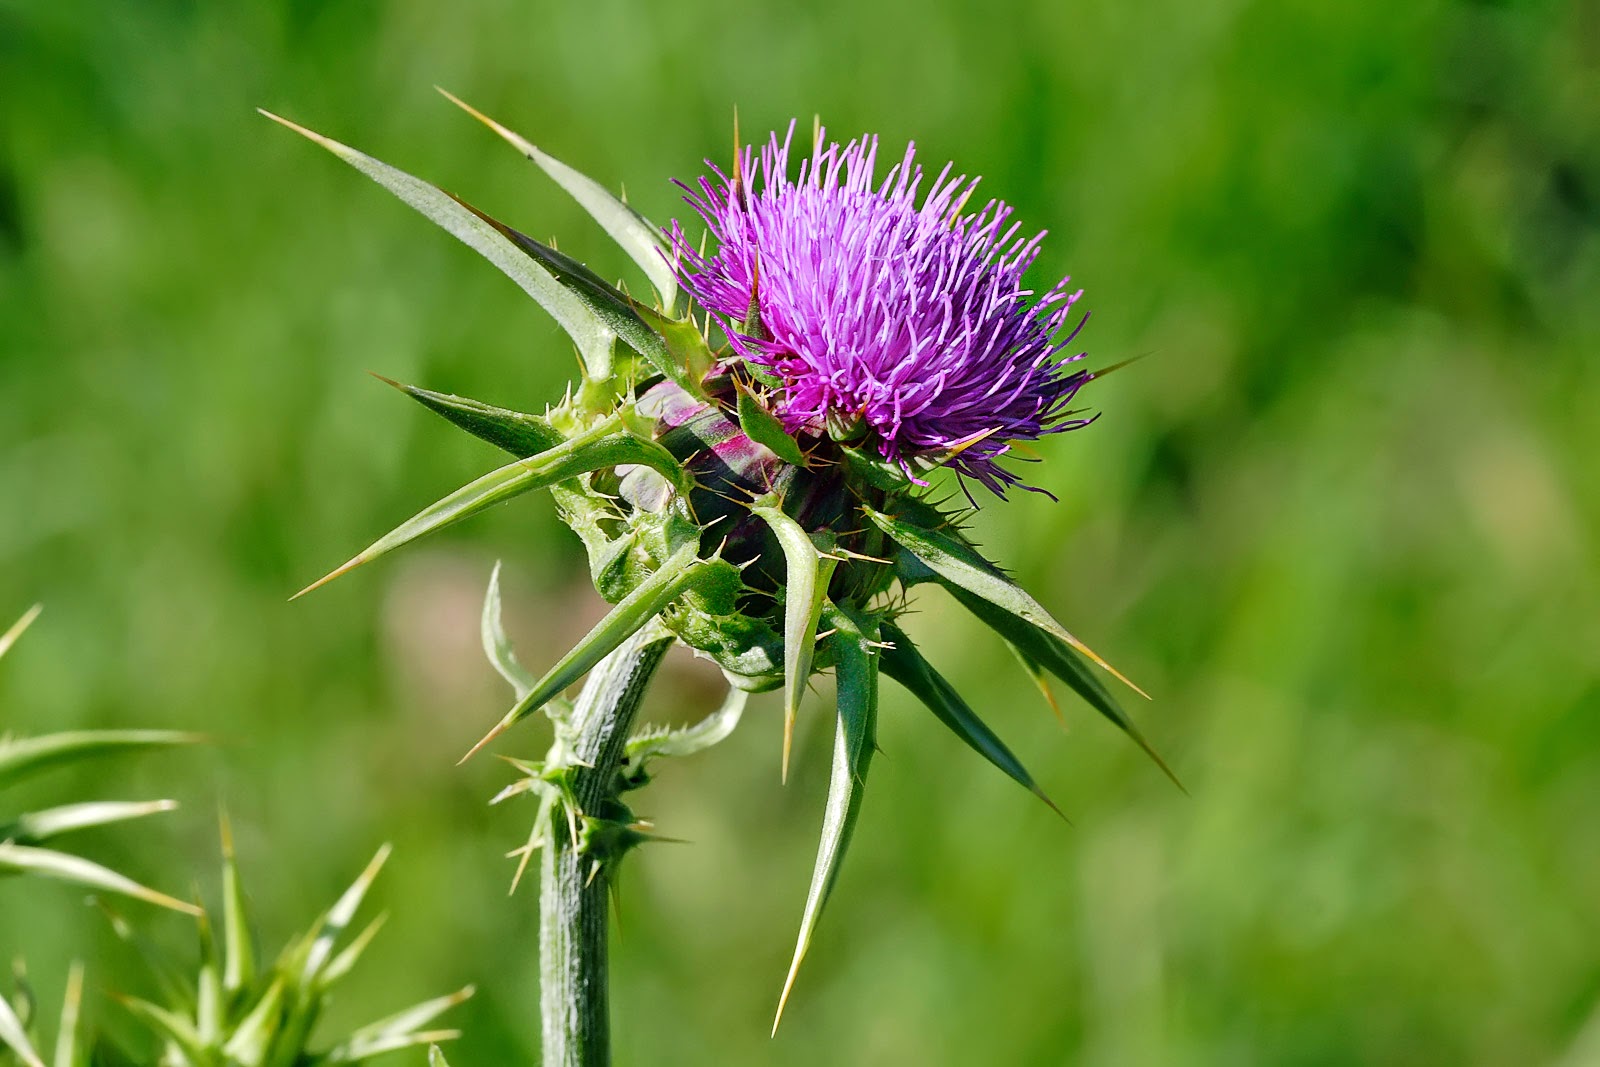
[
  {"x": 906, "y": 665},
  {"x": 62, "y": 867},
  {"x": 636, "y": 609},
  {"x": 495, "y": 643},
  {"x": 253, "y": 1037},
  {"x": 763, "y": 427},
  {"x": 170, "y": 1025},
  {"x": 238, "y": 947},
  {"x": 333, "y": 925},
  {"x": 15, "y": 1035},
  {"x": 644, "y": 243},
  {"x": 620, "y": 314},
  {"x": 959, "y": 565},
  {"x": 351, "y": 954},
  {"x": 854, "y": 743},
  {"x": 39, "y": 826},
  {"x": 1053, "y": 654},
  {"x": 397, "y": 1031},
  {"x": 436, "y": 1058},
  {"x": 520, "y": 434},
  {"x": 709, "y": 731},
  {"x": 1041, "y": 680},
  {"x": 22, "y": 757},
  {"x": 600, "y": 447},
  {"x": 17, "y": 629},
  {"x": 68, "y": 1050},
  {"x": 593, "y": 339},
  {"x": 805, "y": 587}
]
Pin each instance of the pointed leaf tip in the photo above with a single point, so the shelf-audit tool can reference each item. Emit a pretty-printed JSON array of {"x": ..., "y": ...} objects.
[{"x": 19, "y": 627}]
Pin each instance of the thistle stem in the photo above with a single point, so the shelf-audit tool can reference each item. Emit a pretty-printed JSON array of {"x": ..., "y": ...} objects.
[{"x": 574, "y": 886}]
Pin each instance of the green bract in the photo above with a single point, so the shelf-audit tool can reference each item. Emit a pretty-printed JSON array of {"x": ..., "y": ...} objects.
[{"x": 701, "y": 516}]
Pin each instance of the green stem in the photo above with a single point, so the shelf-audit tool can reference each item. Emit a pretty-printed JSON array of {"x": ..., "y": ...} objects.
[{"x": 573, "y": 924}]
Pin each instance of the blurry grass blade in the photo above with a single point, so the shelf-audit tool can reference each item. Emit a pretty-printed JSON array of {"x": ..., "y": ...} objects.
[
  {"x": 44, "y": 863},
  {"x": 436, "y": 1057},
  {"x": 636, "y": 609},
  {"x": 602, "y": 446},
  {"x": 642, "y": 241},
  {"x": 520, "y": 434},
  {"x": 338, "y": 919},
  {"x": 709, "y": 731},
  {"x": 68, "y": 1051},
  {"x": 39, "y": 826},
  {"x": 620, "y": 314},
  {"x": 906, "y": 665},
  {"x": 1053, "y": 654},
  {"x": 593, "y": 339},
  {"x": 854, "y": 743},
  {"x": 404, "y": 1027},
  {"x": 806, "y": 585},
  {"x": 25, "y": 756},
  {"x": 495, "y": 643},
  {"x": 17, "y": 629},
  {"x": 958, "y": 564},
  {"x": 15, "y": 1036},
  {"x": 763, "y": 427},
  {"x": 346, "y": 960},
  {"x": 238, "y": 947}
]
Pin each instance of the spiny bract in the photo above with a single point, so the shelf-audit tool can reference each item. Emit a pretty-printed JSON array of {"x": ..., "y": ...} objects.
[{"x": 752, "y": 480}]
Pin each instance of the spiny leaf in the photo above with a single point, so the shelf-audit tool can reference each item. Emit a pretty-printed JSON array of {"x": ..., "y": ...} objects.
[
  {"x": 1041, "y": 679},
  {"x": 643, "y": 242},
  {"x": 593, "y": 339},
  {"x": 620, "y": 314},
  {"x": 495, "y": 643},
  {"x": 255, "y": 1033},
  {"x": 958, "y": 565},
  {"x": 646, "y": 601},
  {"x": 906, "y": 665},
  {"x": 1053, "y": 654},
  {"x": 806, "y": 586},
  {"x": 239, "y": 954},
  {"x": 9, "y": 638},
  {"x": 333, "y": 925},
  {"x": 351, "y": 954},
  {"x": 854, "y": 744},
  {"x": 68, "y": 1052},
  {"x": 170, "y": 1025},
  {"x": 600, "y": 447},
  {"x": 520, "y": 434},
  {"x": 62, "y": 867},
  {"x": 15, "y": 1035},
  {"x": 403, "y": 1027},
  {"x": 39, "y": 826},
  {"x": 686, "y": 345},
  {"x": 691, "y": 739},
  {"x": 763, "y": 427},
  {"x": 26, "y": 756}
]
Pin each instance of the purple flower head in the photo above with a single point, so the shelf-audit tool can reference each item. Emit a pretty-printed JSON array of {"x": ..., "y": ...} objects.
[{"x": 905, "y": 327}]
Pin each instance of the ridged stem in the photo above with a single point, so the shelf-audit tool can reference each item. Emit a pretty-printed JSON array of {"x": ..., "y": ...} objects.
[{"x": 573, "y": 889}]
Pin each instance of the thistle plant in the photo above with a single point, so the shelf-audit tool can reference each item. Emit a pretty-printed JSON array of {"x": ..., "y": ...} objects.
[
  {"x": 21, "y": 1028},
  {"x": 236, "y": 1012},
  {"x": 750, "y": 459}
]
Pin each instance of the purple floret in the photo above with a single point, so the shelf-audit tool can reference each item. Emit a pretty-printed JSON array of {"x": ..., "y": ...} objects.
[{"x": 908, "y": 324}]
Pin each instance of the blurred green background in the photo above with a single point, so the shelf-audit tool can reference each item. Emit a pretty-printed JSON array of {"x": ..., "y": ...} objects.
[{"x": 1342, "y": 521}]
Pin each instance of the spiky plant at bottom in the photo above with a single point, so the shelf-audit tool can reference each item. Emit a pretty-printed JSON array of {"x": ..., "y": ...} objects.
[{"x": 754, "y": 484}]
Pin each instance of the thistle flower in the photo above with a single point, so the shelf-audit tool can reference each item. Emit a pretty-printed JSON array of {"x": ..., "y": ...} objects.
[
  {"x": 751, "y": 483},
  {"x": 907, "y": 326}
]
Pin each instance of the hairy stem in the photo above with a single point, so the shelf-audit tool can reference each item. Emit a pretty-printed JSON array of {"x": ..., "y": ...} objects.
[{"x": 573, "y": 888}]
